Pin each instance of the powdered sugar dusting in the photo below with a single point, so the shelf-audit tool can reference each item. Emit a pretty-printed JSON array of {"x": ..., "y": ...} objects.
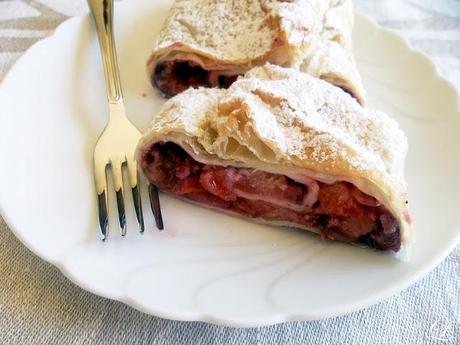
[
  {"x": 319, "y": 123},
  {"x": 321, "y": 117},
  {"x": 311, "y": 35},
  {"x": 216, "y": 27},
  {"x": 279, "y": 119},
  {"x": 281, "y": 114}
]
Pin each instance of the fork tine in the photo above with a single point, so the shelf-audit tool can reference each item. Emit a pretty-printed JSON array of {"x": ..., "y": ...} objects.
[
  {"x": 101, "y": 190},
  {"x": 103, "y": 218},
  {"x": 118, "y": 186},
  {"x": 155, "y": 205},
  {"x": 132, "y": 173},
  {"x": 138, "y": 207}
]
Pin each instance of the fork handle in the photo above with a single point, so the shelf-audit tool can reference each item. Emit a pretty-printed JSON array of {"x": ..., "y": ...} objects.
[{"x": 102, "y": 11}]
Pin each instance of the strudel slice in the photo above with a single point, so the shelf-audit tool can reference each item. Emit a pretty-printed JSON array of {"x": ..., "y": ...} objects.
[
  {"x": 211, "y": 42},
  {"x": 282, "y": 147}
]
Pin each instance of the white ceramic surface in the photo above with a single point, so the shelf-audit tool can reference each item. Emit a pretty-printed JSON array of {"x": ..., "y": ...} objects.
[{"x": 208, "y": 266}]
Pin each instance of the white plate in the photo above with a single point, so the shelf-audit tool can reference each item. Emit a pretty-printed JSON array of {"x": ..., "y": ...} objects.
[{"x": 208, "y": 266}]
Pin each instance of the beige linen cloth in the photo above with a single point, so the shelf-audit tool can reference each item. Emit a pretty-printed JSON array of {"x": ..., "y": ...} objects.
[{"x": 39, "y": 306}]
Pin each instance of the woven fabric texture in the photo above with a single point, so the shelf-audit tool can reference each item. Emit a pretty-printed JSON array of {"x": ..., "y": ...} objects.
[{"x": 38, "y": 305}]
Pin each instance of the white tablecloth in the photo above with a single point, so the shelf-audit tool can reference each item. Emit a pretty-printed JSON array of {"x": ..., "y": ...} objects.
[{"x": 38, "y": 305}]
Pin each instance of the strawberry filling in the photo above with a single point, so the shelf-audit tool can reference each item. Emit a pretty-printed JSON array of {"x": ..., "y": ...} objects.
[
  {"x": 339, "y": 211},
  {"x": 173, "y": 77}
]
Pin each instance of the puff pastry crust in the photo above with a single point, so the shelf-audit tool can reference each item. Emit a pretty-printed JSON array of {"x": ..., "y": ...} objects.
[
  {"x": 210, "y": 42},
  {"x": 286, "y": 123}
]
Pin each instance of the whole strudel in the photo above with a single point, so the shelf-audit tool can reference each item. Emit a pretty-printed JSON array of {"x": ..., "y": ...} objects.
[
  {"x": 281, "y": 147},
  {"x": 211, "y": 42}
]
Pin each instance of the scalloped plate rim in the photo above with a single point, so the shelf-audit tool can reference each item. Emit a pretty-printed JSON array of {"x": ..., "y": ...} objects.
[{"x": 221, "y": 320}]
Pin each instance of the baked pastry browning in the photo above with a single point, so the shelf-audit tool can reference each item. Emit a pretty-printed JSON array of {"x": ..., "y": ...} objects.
[
  {"x": 211, "y": 42},
  {"x": 282, "y": 147}
]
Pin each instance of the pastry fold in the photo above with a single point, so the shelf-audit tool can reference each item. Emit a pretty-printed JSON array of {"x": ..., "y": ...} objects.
[
  {"x": 211, "y": 42},
  {"x": 282, "y": 147}
]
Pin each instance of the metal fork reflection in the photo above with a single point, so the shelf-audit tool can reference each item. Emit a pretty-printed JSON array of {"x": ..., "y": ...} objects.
[{"x": 115, "y": 148}]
